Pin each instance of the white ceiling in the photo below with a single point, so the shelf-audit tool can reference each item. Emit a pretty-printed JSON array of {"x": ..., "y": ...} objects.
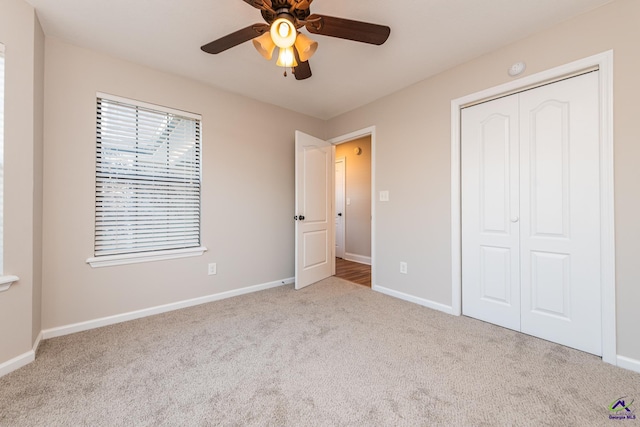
[{"x": 427, "y": 37}]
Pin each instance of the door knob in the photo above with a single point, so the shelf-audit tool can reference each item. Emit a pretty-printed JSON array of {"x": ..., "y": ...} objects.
[
  {"x": 515, "y": 219},
  {"x": 340, "y": 214},
  {"x": 301, "y": 217}
]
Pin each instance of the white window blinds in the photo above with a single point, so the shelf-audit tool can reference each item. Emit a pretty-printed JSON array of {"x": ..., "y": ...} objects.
[{"x": 147, "y": 179}]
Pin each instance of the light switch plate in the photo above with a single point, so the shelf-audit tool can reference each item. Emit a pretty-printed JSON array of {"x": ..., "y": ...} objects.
[
  {"x": 403, "y": 267},
  {"x": 213, "y": 269},
  {"x": 384, "y": 196}
]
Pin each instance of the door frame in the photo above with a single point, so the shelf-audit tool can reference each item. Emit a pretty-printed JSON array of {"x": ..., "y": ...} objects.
[
  {"x": 371, "y": 132},
  {"x": 604, "y": 63},
  {"x": 342, "y": 160}
]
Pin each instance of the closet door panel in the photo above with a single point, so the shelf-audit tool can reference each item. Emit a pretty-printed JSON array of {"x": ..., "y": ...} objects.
[
  {"x": 490, "y": 248},
  {"x": 560, "y": 216}
]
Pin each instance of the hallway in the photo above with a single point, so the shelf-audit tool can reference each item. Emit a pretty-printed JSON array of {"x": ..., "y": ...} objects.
[{"x": 353, "y": 272}]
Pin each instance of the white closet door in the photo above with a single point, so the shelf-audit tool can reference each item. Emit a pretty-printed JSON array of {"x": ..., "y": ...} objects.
[
  {"x": 490, "y": 239},
  {"x": 560, "y": 205},
  {"x": 531, "y": 212}
]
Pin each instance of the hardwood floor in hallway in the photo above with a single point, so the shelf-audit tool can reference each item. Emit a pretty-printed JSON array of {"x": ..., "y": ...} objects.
[{"x": 353, "y": 272}]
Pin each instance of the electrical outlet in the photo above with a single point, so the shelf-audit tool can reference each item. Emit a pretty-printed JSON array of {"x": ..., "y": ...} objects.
[
  {"x": 213, "y": 269},
  {"x": 403, "y": 267}
]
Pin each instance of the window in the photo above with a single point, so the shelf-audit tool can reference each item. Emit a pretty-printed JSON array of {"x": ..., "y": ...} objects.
[
  {"x": 147, "y": 183},
  {"x": 1, "y": 157}
]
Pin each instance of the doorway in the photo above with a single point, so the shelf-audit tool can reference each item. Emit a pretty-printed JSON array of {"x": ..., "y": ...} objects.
[
  {"x": 354, "y": 207},
  {"x": 353, "y": 210},
  {"x": 315, "y": 206},
  {"x": 353, "y": 200}
]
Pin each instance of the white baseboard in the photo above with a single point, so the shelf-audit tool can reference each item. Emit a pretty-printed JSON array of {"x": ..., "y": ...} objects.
[
  {"x": 628, "y": 363},
  {"x": 37, "y": 343},
  {"x": 22, "y": 360},
  {"x": 17, "y": 362},
  {"x": 119, "y": 318},
  {"x": 420, "y": 301},
  {"x": 358, "y": 258}
]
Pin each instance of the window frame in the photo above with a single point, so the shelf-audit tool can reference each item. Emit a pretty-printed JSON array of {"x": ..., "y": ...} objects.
[
  {"x": 5, "y": 280},
  {"x": 152, "y": 255},
  {"x": 2, "y": 133}
]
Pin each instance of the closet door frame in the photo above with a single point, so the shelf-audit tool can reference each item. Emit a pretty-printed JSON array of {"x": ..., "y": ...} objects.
[{"x": 604, "y": 63}]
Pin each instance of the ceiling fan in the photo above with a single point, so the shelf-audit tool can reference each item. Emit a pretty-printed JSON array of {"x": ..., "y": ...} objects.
[{"x": 283, "y": 20}]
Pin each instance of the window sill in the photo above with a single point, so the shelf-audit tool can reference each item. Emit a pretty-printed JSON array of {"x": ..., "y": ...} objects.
[
  {"x": 111, "y": 260},
  {"x": 6, "y": 282}
]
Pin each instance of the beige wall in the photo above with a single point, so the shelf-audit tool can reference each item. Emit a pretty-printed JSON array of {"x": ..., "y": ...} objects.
[
  {"x": 413, "y": 156},
  {"x": 358, "y": 190},
  {"x": 247, "y": 190},
  {"x": 23, "y": 38}
]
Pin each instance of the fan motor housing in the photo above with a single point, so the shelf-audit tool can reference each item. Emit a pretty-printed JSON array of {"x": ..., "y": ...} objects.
[{"x": 285, "y": 6}]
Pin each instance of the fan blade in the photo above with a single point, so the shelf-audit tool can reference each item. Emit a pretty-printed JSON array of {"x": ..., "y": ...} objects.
[
  {"x": 234, "y": 39},
  {"x": 303, "y": 70},
  {"x": 347, "y": 29},
  {"x": 301, "y": 4}
]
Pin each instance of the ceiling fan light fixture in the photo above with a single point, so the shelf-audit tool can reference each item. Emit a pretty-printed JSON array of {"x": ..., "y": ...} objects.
[
  {"x": 286, "y": 58},
  {"x": 283, "y": 32},
  {"x": 283, "y": 19},
  {"x": 305, "y": 46},
  {"x": 264, "y": 45}
]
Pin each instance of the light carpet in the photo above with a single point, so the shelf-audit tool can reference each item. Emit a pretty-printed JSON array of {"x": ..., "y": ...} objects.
[{"x": 334, "y": 353}]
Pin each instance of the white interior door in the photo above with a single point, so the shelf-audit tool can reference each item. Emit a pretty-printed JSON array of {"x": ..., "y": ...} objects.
[
  {"x": 530, "y": 212},
  {"x": 560, "y": 232},
  {"x": 340, "y": 206},
  {"x": 314, "y": 210},
  {"x": 490, "y": 199}
]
